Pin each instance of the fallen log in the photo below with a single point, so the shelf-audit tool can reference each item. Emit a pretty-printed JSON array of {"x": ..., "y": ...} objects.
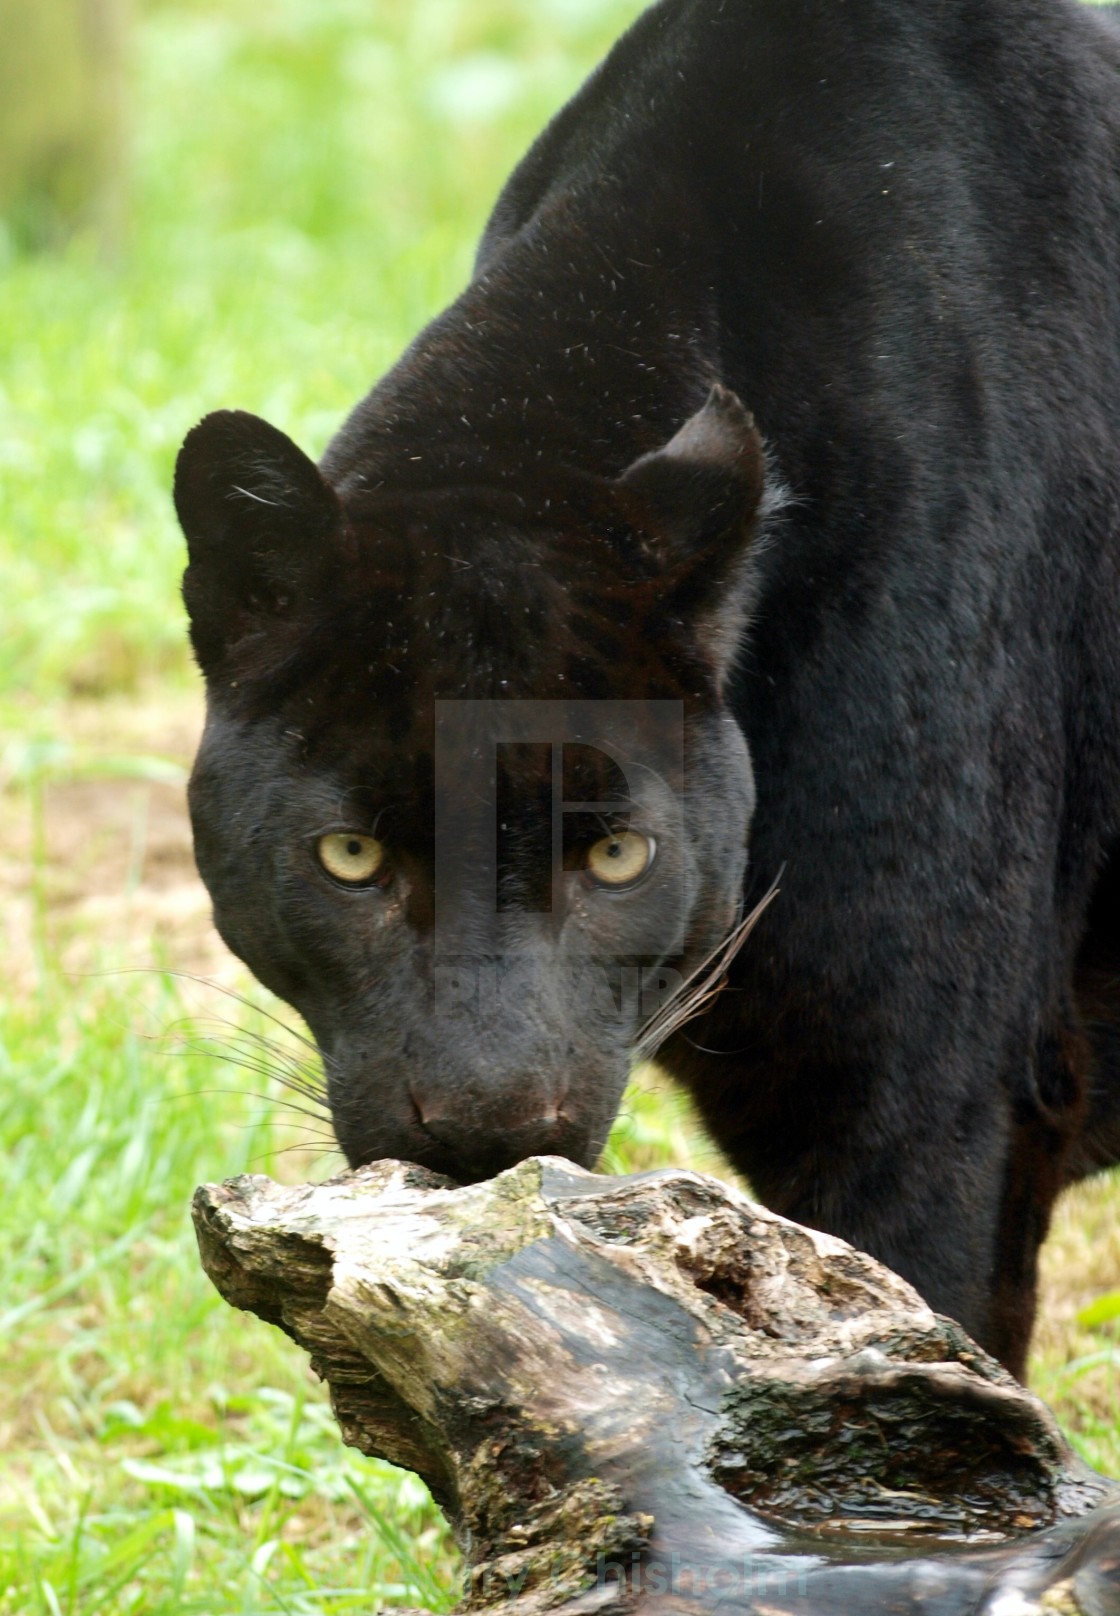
[{"x": 649, "y": 1394}]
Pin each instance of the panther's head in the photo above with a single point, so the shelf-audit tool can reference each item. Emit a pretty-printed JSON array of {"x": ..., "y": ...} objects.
[{"x": 468, "y": 795}]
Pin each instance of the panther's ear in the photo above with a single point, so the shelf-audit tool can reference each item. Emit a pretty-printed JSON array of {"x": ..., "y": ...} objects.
[
  {"x": 696, "y": 501},
  {"x": 700, "y": 491},
  {"x": 263, "y": 530}
]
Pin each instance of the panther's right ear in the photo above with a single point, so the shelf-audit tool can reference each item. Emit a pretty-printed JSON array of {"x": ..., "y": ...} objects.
[{"x": 263, "y": 528}]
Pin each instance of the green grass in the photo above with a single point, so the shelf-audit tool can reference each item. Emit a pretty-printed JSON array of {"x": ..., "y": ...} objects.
[
  {"x": 308, "y": 181},
  {"x": 309, "y": 177},
  {"x": 163, "y": 1453}
]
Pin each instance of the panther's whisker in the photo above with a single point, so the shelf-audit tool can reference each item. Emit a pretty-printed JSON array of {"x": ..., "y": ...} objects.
[
  {"x": 703, "y": 985},
  {"x": 299, "y": 1067},
  {"x": 294, "y": 1150},
  {"x": 207, "y": 1043},
  {"x": 256, "y": 1094},
  {"x": 210, "y": 1044},
  {"x": 276, "y": 1103},
  {"x": 261, "y": 1070},
  {"x": 295, "y": 1074},
  {"x": 249, "y": 1004}
]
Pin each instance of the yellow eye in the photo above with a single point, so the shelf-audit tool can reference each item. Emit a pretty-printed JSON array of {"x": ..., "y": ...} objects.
[
  {"x": 616, "y": 861},
  {"x": 347, "y": 856}
]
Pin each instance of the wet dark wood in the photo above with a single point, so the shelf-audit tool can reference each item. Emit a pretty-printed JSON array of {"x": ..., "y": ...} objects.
[{"x": 649, "y": 1394}]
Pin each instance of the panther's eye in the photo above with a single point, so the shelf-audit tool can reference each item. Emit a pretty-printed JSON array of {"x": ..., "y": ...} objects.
[
  {"x": 617, "y": 861},
  {"x": 351, "y": 858}
]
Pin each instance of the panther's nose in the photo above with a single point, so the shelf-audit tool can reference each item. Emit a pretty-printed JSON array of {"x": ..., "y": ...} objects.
[{"x": 475, "y": 1143}]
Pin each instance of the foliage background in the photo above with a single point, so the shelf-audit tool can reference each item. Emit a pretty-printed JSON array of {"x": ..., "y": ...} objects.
[{"x": 307, "y": 180}]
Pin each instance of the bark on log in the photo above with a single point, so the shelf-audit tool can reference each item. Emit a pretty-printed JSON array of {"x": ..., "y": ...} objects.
[{"x": 649, "y": 1394}]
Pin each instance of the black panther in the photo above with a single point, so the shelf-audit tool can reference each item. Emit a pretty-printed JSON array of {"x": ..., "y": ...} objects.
[{"x": 784, "y": 399}]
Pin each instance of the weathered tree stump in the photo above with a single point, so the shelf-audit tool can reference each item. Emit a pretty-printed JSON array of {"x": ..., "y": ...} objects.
[{"x": 649, "y": 1394}]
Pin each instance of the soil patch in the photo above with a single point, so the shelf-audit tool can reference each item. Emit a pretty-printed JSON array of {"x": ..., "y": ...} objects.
[{"x": 96, "y": 866}]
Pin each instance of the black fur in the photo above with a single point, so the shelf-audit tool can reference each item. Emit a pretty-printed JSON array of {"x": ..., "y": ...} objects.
[{"x": 893, "y": 230}]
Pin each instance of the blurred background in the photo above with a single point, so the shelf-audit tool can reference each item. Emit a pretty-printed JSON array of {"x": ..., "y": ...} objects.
[{"x": 210, "y": 203}]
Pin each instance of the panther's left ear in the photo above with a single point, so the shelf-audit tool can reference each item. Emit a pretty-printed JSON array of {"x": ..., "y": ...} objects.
[{"x": 696, "y": 503}]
